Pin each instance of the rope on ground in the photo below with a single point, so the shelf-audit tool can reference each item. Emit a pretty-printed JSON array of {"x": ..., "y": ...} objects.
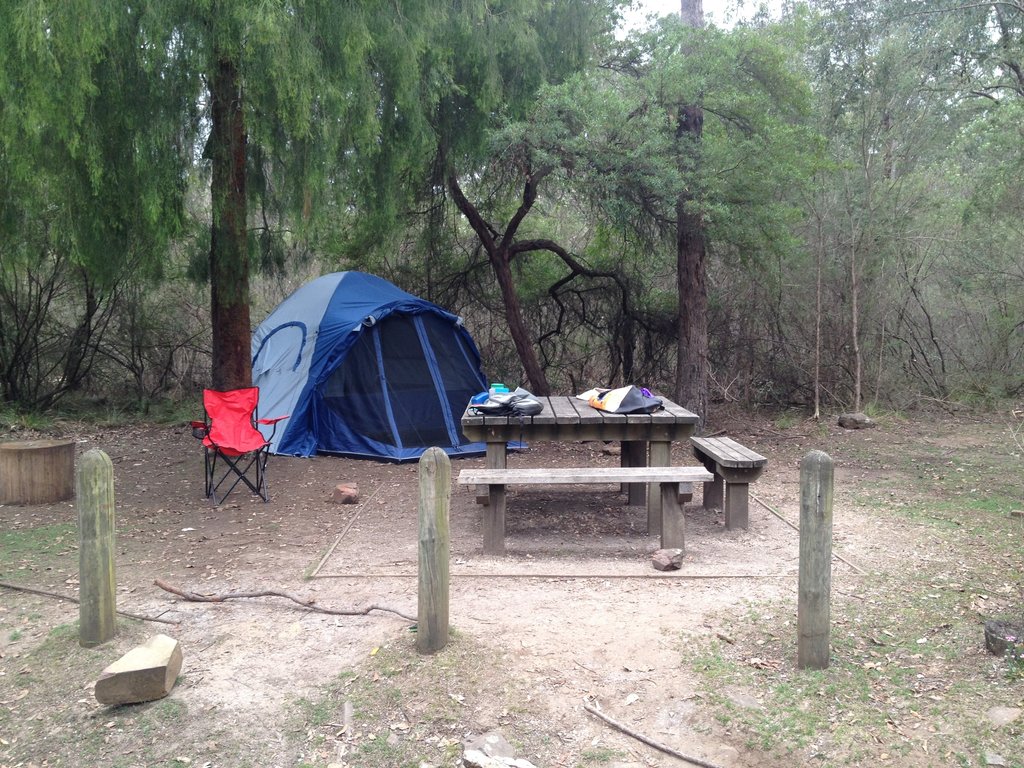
[
  {"x": 646, "y": 740},
  {"x": 195, "y": 597},
  {"x": 337, "y": 541},
  {"x": 797, "y": 529},
  {"x": 68, "y": 598},
  {"x": 568, "y": 576}
]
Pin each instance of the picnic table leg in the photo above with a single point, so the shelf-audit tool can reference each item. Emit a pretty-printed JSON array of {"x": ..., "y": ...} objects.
[
  {"x": 673, "y": 524},
  {"x": 496, "y": 458},
  {"x": 494, "y": 522},
  {"x": 660, "y": 456},
  {"x": 634, "y": 454}
]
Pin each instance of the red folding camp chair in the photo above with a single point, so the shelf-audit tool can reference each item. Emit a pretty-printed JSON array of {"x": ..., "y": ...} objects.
[{"x": 233, "y": 444}]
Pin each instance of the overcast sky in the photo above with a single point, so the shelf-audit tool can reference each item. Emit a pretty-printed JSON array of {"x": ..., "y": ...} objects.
[{"x": 718, "y": 11}]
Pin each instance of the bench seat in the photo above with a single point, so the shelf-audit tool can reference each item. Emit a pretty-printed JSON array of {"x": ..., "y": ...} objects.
[
  {"x": 669, "y": 480},
  {"x": 734, "y": 467}
]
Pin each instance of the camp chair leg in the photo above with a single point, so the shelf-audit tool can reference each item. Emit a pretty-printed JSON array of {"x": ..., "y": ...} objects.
[{"x": 235, "y": 467}]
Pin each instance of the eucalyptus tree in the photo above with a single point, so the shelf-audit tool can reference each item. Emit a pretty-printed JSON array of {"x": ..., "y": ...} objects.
[
  {"x": 91, "y": 162},
  {"x": 125, "y": 105},
  {"x": 911, "y": 95},
  {"x": 489, "y": 61},
  {"x": 723, "y": 117}
]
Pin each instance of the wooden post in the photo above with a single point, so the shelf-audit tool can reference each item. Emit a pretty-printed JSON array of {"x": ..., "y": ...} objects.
[
  {"x": 97, "y": 606},
  {"x": 815, "y": 578},
  {"x": 434, "y": 545}
]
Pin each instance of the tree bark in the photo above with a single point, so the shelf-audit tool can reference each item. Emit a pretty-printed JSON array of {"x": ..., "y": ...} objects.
[
  {"x": 500, "y": 250},
  {"x": 692, "y": 329},
  {"x": 229, "y": 252}
]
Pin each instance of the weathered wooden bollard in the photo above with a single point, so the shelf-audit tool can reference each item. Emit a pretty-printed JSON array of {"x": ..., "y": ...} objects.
[
  {"x": 96, "y": 584},
  {"x": 815, "y": 579},
  {"x": 434, "y": 550}
]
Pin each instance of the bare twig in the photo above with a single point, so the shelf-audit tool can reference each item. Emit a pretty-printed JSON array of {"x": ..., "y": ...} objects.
[
  {"x": 195, "y": 597},
  {"x": 646, "y": 740},
  {"x": 68, "y": 598}
]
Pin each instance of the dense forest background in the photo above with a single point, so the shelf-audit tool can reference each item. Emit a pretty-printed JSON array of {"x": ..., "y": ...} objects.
[{"x": 822, "y": 209}]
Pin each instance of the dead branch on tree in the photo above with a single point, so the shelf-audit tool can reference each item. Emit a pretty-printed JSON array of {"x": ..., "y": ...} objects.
[{"x": 311, "y": 605}]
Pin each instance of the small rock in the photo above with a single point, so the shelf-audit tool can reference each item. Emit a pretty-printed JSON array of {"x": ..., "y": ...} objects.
[
  {"x": 856, "y": 421},
  {"x": 1001, "y": 636},
  {"x": 1000, "y": 716},
  {"x": 474, "y": 758},
  {"x": 991, "y": 758},
  {"x": 667, "y": 559},
  {"x": 492, "y": 744},
  {"x": 345, "y": 493},
  {"x": 146, "y": 673}
]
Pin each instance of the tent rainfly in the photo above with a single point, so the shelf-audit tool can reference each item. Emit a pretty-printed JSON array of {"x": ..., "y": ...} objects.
[{"x": 365, "y": 369}]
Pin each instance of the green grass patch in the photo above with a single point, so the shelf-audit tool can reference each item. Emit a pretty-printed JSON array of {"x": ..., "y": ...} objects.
[
  {"x": 410, "y": 709},
  {"x": 30, "y": 547},
  {"x": 907, "y": 662}
]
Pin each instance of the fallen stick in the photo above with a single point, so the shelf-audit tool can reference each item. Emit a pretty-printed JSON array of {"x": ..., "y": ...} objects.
[
  {"x": 195, "y": 597},
  {"x": 646, "y": 740},
  {"x": 70, "y": 599},
  {"x": 835, "y": 554}
]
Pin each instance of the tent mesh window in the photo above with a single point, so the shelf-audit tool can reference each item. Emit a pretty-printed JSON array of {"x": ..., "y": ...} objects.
[{"x": 391, "y": 353}]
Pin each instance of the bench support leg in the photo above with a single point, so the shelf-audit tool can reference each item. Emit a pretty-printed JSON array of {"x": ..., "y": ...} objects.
[
  {"x": 685, "y": 493},
  {"x": 496, "y": 458},
  {"x": 736, "y": 505},
  {"x": 673, "y": 524},
  {"x": 494, "y": 521},
  {"x": 713, "y": 493}
]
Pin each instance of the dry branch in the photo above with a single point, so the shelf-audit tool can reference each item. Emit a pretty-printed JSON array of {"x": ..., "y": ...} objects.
[
  {"x": 645, "y": 739},
  {"x": 70, "y": 599},
  {"x": 311, "y": 605}
]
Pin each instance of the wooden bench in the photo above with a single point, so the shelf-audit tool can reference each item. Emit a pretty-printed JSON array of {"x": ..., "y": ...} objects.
[
  {"x": 669, "y": 479},
  {"x": 734, "y": 467}
]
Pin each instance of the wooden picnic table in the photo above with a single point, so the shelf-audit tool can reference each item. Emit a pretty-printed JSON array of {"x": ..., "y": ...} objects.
[{"x": 646, "y": 438}]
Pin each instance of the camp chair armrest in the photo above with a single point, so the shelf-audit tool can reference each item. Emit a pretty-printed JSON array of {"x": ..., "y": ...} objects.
[
  {"x": 200, "y": 429},
  {"x": 274, "y": 420}
]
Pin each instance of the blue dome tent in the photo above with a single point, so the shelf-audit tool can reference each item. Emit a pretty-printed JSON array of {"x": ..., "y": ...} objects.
[{"x": 365, "y": 369}]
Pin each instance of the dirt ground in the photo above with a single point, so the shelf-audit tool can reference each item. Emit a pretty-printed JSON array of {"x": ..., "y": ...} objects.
[{"x": 575, "y": 610}]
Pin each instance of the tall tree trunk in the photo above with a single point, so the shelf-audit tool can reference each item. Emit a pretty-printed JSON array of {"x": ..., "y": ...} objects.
[
  {"x": 855, "y": 324},
  {"x": 692, "y": 325},
  {"x": 499, "y": 252},
  {"x": 501, "y": 264},
  {"x": 229, "y": 253}
]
